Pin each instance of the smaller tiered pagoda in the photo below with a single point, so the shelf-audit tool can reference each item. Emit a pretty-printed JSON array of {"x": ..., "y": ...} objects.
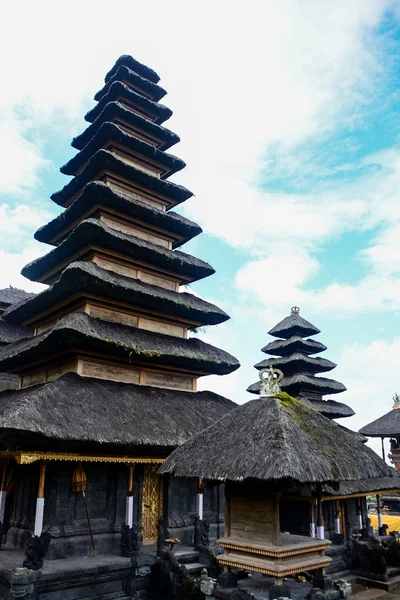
[
  {"x": 387, "y": 426},
  {"x": 293, "y": 353}
]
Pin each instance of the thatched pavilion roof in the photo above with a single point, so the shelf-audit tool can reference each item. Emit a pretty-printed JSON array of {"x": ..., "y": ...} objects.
[
  {"x": 93, "y": 232},
  {"x": 97, "y": 192},
  {"x": 378, "y": 484},
  {"x": 103, "y": 159},
  {"x": 125, "y": 74},
  {"x": 10, "y": 295},
  {"x": 118, "y": 89},
  {"x": 276, "y": 439},
  {"x": 386, "y": 426},
  {"x": 135, "y": 65},
  {"x": 76, "y": 408},
  {"x": 116, "y": 110},
  {"x": 110, "y": 132},
  {"x": 91, "y": 280}
]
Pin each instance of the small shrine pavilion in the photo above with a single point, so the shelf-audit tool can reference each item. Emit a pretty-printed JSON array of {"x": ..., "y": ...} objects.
[
  {"x": 344, "y": 509},
  {"x": 264, "y": 450},
  {"x": 108, "y": 381},
  {"x": 387, "y": 426}
]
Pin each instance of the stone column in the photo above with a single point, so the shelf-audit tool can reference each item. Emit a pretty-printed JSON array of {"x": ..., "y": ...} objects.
[
  {"x": 129, "y": 498},
  {"x": 40, "y": 501}
]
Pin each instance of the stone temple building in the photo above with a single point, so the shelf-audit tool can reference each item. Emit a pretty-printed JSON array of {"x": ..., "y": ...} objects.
[{"x": 108, "y": 380}]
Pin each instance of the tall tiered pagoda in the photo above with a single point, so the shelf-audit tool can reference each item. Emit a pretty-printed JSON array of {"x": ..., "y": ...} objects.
[
  {"x": 108, "y": 382},
  {"x": 344, "y": 509}
]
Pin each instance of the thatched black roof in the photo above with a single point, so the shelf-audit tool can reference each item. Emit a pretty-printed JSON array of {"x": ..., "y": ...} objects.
[
  {"x": 110, "y": 132},
  {"x": 292, "y": 325},
  {"x": 376, "y": 484},
  {"x": 301, "y": 382},
  {"x": 103, "y": 159},
  {"x": 11, "y": 294},
  {"x": 136, "y": 66},
  {"x": 293, "y": 344},
  {"x": 116, "y": 110},
  {"x": 81, "y": 333},
  {"x": 87, "y": 279},
  {"x": 275, "y": 439},
  {"x": 8, "y": 382},
  {"x": 329, "y": 408},
  {"x": 93, "y": 232},
  {"x": 297, "y": 361},
  {"x": 386, "y": 426},
  {"x": 11, "y": 333},
  {"x": 75, "y": 408},
  {"x": 98, "y": 193},
  {"x": 125, "y": 74},
  {"x": 158, "y": 113}
]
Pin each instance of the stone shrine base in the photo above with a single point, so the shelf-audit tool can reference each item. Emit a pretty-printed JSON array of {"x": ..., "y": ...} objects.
[{"x": 102, "y": 577}]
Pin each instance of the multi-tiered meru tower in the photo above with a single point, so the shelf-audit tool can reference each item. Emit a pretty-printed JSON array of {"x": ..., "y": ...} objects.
[
  {"x": 108, "y": 382},
  {"x": 293, "y": 354}
]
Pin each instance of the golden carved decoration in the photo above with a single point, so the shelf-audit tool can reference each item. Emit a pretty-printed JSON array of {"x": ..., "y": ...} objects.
[
  {"x": 152, "y": 501},
  {"x": 27, "y": 458}
]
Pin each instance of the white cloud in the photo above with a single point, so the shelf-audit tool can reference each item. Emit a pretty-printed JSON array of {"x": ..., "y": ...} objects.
[
  {"x": 12, "y": 263},
  {"x": 371, "y": 375}
]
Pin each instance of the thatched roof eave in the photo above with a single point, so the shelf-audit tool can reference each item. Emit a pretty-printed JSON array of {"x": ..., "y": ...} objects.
[
  {"x": 135, "y": 66},
  {"x": 125, "y": 74},
  {"x": 80, "y": 332},
  {"x": 105, "y": 160},
  {"x": 386, "y": 426},
  {"x": 91, "y": 279},
  {"x": 116, "y": 110},
  {"x": 118, "y": 89},
  {"x": 110, "y": 132},
  {"x": 92, "y": 232}
]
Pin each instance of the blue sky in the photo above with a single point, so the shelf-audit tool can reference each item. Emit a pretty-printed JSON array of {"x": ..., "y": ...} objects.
[{"x": 289, "y": 118}]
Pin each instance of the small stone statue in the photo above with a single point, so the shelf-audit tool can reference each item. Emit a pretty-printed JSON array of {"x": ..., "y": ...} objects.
[
  {"x": 204, "y": 532},
  {"x": 270, "y": 379},
  {"x": 131, "y": 540},
  {"x": 383, "y": 530},
  {"x": 36, "y": 551},
  {"x": 160, "y": 537}
]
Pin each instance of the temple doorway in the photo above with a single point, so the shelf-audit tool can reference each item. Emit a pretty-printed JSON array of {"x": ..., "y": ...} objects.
[{"x": 151, "y": 502}]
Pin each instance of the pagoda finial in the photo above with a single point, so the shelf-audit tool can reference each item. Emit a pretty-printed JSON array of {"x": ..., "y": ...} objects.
[
  {"x": 396, "y": 401},
  {"x": 294, "y": 310},
  {"x": 270, "y": 379}
]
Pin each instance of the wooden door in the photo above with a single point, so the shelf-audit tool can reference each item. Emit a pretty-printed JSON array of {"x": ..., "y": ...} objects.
[{"x": 151, "y": 502}]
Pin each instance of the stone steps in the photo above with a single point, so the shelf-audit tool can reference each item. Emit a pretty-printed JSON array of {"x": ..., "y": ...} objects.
[
  {"x": 194, "y": 568},
  {"x": 186, "y": 556}
]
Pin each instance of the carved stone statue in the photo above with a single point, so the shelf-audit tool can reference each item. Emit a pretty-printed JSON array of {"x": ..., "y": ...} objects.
[
  {"x": 131, "y": 538},
  {"x": 36, "y": 551}
]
